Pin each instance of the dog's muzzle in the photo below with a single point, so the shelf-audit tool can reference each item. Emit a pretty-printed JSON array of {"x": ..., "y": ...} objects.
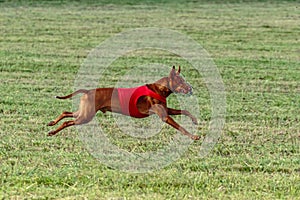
[{"x": 187, "y": 91}]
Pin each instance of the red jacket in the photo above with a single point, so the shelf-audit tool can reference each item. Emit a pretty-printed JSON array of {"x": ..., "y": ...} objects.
[{"x": 128, "y": 98}]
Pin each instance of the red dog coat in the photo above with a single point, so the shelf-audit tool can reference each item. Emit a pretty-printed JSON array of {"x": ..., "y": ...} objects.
[{"x": 128, "y": 98}]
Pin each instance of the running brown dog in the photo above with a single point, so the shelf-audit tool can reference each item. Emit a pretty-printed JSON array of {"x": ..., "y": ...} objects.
[{"x": 137, "y": 102}]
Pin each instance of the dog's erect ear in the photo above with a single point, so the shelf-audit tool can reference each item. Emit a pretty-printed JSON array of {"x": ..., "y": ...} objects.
[
  {"x": 178, "y": 72},
  {"x": 172, "y": 73}
]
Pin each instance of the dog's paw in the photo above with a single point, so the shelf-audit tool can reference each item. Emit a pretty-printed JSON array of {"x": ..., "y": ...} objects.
[
  {"x": 195, "y": 137},
  {"x": 51, "y": 133},
  {"x": 51, "y": 123}
]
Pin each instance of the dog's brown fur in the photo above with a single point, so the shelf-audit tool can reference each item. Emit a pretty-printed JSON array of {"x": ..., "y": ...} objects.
[{"x": 106, "y": 99}]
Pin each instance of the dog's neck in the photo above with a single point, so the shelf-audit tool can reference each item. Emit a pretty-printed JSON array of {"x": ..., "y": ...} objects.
[{"x": 161, "y": 87}]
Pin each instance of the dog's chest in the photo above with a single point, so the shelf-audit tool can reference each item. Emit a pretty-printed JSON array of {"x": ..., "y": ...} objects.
[{"x": 128, "y": 98}]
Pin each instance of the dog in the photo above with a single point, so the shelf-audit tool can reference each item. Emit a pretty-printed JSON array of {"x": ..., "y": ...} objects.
[{"x": 136, "y": 102}]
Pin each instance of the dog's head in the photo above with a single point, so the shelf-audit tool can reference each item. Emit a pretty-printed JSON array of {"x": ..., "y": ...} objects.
[{"x": 177, "y": 83}]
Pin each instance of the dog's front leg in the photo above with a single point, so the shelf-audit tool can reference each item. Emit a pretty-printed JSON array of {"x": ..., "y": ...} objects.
[
  {"x": 172, "y": 111},
  {"x": 162, "y": 112}
]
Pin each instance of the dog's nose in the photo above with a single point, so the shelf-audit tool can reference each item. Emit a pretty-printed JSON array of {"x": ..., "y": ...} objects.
[{"x": 190, "y": 90}]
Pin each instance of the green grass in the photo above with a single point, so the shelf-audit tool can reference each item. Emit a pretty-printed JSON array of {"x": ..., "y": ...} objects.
[{"x": 255, "y": 47}]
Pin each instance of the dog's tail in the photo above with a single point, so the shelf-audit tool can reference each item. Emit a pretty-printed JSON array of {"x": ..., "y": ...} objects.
[{"x": 73, "y": 94}]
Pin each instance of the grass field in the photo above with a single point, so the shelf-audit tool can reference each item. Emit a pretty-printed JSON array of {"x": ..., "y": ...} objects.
[{"x": 255, "y": 47}]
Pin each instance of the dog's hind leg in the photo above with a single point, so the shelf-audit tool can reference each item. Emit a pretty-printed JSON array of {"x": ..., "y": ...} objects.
[
  {"x": 64, "y": 125},
  {"x": 85, "y": 114},
  {"x": 63, "y": 115},
  {"x": 79, "y": 120}
]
